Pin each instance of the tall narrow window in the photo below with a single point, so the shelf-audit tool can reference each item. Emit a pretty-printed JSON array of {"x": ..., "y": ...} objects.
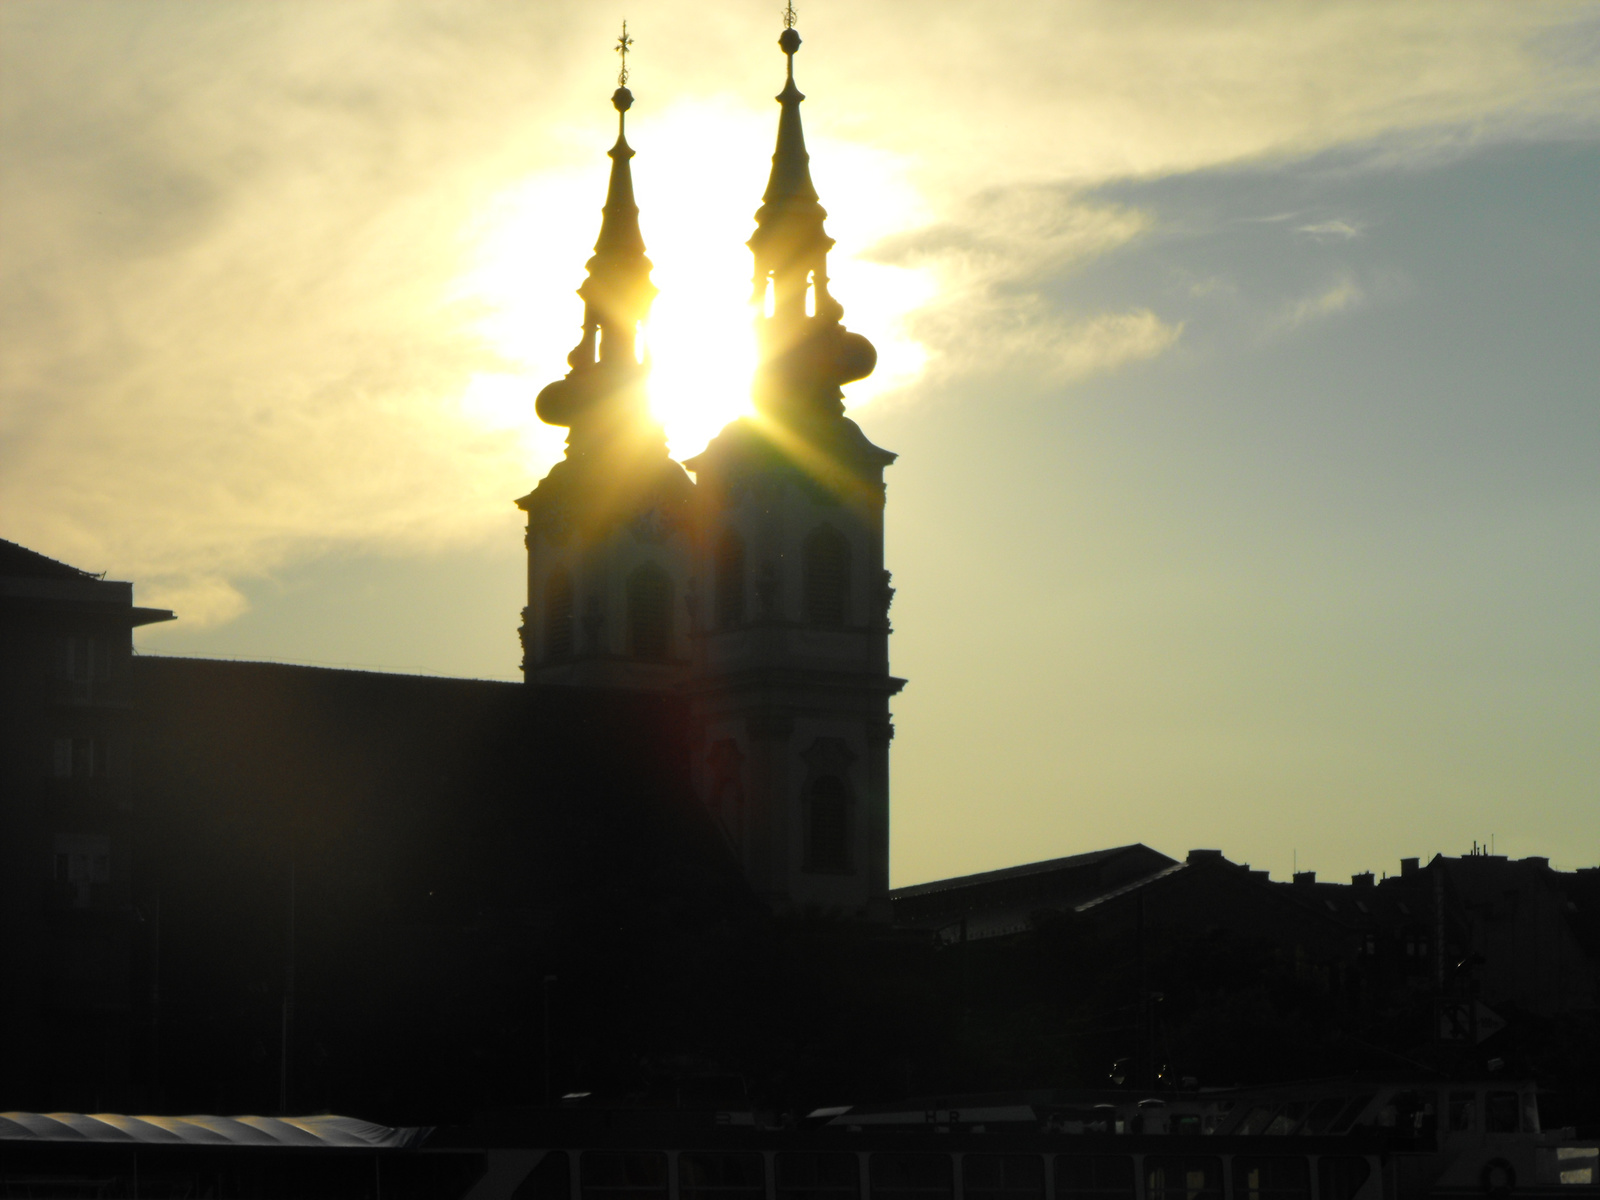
[
  {"x": 649, "y": 613},
  {"x": 83, "y": 661},
  {"x": 827, "y": 577},
  {"x": 730, "y": 581},
  {"x": 828, "y": 826},
  {"x": 81, "y": 758},
  {"x": 558, "y": 616}
]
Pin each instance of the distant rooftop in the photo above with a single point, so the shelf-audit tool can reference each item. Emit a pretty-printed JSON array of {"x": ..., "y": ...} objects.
[
  {"x": 1070, "y": 862},
  {"x": 20, "y": 562}
]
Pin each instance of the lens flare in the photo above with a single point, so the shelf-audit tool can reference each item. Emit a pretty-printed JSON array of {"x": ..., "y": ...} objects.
[{"x": 697, "y": 199}]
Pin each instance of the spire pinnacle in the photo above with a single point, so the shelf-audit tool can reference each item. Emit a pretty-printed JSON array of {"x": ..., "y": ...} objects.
[
  {"x": 606, "y": 377},
  {"x": 622, "y": 46},
  {"x": 806, "y": 353}
]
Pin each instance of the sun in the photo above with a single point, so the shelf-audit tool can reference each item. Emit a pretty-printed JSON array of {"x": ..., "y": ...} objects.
[{"x": 698, "y": 184}]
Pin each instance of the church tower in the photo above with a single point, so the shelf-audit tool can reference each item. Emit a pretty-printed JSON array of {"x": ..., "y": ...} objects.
[
  {"x": 608, "y": 539},
  {"x": 790, "y": 688}
]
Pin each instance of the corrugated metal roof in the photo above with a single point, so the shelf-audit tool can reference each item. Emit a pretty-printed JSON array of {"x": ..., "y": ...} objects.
[
  {"x": 1134, "y": 886},
  {"x": 1017, "y": 872},
  {"x": 313, "y": 1132}
]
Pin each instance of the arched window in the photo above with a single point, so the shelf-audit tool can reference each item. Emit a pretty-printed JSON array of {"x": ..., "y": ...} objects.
[
  {"x": 827, "y": 577},
  {"x": 649, "y": 613},
  {"x": 730, "y": 581},
  {"x": 558, "y": 616},
  {"x": 828, "y": 825}
]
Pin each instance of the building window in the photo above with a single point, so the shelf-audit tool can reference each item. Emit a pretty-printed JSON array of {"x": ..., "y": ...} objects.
[
  {"x": 621, "y": 1175},
  {"x": 911, "y": 1176},
  {"x": 1002, "y": 1177},
  {"x": 730, "y": 581},
  {"x": 558, "y": 616},
  {"x": 81, "y": 758},
  {"x": 1271, "y": 1178},
  {"x": 649, "y": 613},
  {"x": 1094, "y": 1177},
  {"x": 703, "y": 1176},
  {"x": 82, "y": 662},
  {"x": 808, "y": 1175},
  {"x": 81, "y": 862},
  {"x": 1340, "y": 1177},
  {"x": 828, "y": 826},
  {"x": 726, "y": 769},
  {"x": 1182, "y": 1178},
  {"x": 827, "y": 577}
]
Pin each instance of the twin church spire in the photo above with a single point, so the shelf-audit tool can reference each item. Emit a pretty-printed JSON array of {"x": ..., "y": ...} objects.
[
  {"x": 752, "y": 600},
  {"x": 805, "y": 353},
  {"x": 603, "y": 392}
]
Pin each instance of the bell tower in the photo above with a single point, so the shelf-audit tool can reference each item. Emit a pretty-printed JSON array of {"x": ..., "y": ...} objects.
[
  {"x": 790, "y": 688},
  {"x": 608, "y": 539}
]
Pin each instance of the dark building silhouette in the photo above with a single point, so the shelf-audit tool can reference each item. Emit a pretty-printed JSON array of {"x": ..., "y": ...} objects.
[{"x": 67, "y": 822}]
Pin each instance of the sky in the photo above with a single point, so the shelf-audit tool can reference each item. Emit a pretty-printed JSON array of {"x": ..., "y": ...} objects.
[{"x": 1242, "y": 359}]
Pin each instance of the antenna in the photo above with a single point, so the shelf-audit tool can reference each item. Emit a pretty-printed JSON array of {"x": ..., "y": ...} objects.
[{"x": 789, "y": 16}]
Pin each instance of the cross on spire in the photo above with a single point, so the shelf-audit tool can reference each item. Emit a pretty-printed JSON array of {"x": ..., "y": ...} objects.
[{"x": 621, "y": 48}]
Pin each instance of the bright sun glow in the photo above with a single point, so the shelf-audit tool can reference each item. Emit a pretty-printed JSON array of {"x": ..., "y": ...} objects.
[{"x": 698, "y": 183}]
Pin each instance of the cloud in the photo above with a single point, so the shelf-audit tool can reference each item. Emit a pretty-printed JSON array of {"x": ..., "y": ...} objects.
[
  {"x": 1101, "y": 344},
  {"x": 997, "y": 265},
  {"x": 1342, "y": 295},
  {"x": 1335, "y": 229},
  {"x": 233, "y": 230}
]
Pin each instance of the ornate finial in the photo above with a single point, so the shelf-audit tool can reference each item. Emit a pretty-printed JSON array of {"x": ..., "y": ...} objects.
[
  {"x": 790, "y": 38},
  {"x": 621, "y": 48}
]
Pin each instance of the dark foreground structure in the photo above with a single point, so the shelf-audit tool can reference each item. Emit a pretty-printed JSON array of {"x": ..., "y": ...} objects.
[{"x": 1342, "y": 1140}]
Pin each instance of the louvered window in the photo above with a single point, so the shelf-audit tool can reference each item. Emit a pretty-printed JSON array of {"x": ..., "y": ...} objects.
[
  {"x": 558, "y": 616},
  {"x": 730, "y": 581},
  {"x": 827, "y": 577},
  {"x": 649, "y": 613},
  {"x": 828, "y": 843}
]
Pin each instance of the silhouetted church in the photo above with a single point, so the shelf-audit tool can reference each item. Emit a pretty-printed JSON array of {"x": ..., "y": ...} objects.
[{"x": 758, "y": 590}]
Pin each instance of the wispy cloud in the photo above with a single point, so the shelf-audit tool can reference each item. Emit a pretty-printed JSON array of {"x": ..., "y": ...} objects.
[
  {"x": 1332, "y": 230},
  {"x": 996, "y": 264},
  {"x": 1342, "y": 295}
]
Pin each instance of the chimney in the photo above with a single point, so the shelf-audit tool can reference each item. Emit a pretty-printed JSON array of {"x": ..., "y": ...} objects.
[
  {"x": 1362, "y": 880},
  {"x": 1408, "y": 866},
  {"x": 1199, "y": 856},
  {"x": 1305, "y": 877}
]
